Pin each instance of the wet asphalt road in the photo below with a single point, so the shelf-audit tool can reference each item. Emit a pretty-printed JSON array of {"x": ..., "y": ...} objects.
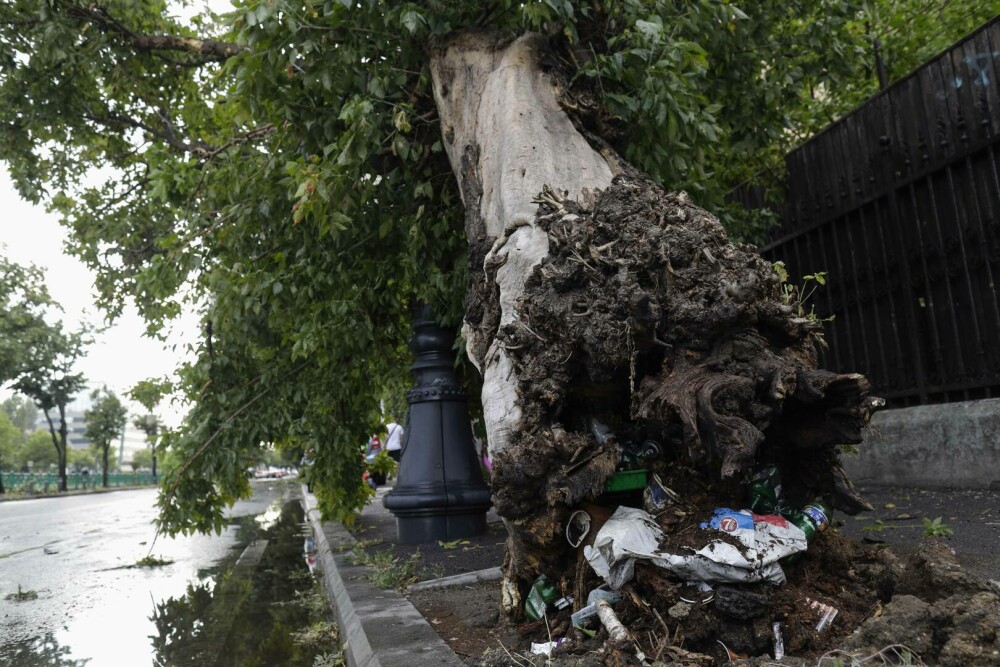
[{"x": 72, "y": 551}]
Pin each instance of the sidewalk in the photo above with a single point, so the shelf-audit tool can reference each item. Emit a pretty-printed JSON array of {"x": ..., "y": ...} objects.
[
  {"x": 381, "y": 628},
  {"x": 376, "y": 530}
]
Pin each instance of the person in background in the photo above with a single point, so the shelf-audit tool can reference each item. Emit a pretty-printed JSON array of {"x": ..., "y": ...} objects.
[{"x": 394, "y": 441}]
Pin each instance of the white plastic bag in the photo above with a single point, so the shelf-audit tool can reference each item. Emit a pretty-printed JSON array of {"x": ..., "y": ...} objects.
[{"x": 631, "y": 533}]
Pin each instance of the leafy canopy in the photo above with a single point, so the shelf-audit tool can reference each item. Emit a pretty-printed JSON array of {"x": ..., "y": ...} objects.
[
  {"x": 105, "y": 419},
  {"x": 280, "y": 169},
  {"x": 24, "y": 301}
]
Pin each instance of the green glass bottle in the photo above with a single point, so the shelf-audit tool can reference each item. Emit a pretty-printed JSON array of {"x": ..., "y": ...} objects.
[{"x": 765, "y": 491}]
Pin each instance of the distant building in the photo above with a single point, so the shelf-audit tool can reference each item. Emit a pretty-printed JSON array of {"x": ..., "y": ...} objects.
[
  {"x": 76, "y": 427},
  {"x": 130, "y": 441}
]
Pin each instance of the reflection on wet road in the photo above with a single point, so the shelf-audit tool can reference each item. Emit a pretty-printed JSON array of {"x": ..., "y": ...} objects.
[{"x": 92, "y": 609}]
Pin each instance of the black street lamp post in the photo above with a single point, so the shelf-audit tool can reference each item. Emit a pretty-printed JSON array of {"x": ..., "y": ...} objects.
[{"x": 440, "y": 493}]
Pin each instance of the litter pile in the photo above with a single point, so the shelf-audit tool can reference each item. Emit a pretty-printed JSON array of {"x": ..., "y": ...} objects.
[
  {"x": 693, "y": 584},
  {"x": 677, "y": 579}
]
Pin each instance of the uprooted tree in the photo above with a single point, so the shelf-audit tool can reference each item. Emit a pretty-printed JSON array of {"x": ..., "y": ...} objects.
[
  {"x": 291, "y": 172},
  {"x": 594, "y": 292}
]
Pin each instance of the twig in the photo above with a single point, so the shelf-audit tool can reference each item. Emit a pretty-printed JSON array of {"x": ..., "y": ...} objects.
[
  {"x": 548, "y": 656},
  {"x": 532, "y": 332},
  {"x": 517, "y": 660},
  {"x": 201, "y": 450}
]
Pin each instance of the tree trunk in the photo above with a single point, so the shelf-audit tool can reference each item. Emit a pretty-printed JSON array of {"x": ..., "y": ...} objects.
[
  {"x": 104, "y": 475},
  {"x": 64, "y": 443},
  {"x": 594, "y": 293},
  {"x": 57, "y": 437}
]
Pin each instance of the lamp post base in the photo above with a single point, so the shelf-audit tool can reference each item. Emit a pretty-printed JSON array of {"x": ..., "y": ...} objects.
[{"x": 440, "y": 493}]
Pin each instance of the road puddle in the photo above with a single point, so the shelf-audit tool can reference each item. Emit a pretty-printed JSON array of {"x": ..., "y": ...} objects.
[
  {"x": 257, "y": 605},
  {"x": 250, "y": 614}
]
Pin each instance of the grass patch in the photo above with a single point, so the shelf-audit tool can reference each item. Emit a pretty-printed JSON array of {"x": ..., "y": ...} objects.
[
  {"x": 21, "y": 595},
  {"x": 321, "y": 636},
  {"x": 937, "y": 528},
  {"x": 388, "y": 571}
]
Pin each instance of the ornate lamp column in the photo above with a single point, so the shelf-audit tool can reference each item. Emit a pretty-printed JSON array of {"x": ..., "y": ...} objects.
[{"x": 440, "y": 493}]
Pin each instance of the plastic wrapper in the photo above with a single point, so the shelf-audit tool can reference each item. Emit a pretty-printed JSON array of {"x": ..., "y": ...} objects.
[{"x": 762, "y": 540}]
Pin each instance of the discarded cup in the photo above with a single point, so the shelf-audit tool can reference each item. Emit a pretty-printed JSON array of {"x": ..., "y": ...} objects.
[
  {"x": 577, "y": 528},
  {"x": 603, "y": 593},
  {"x": 657, "y": 497},
  {"x": 582, "y": 619}
]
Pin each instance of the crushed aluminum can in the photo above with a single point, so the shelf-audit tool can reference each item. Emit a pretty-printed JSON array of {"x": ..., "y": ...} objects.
[
  {"x": 656, "y": 498},
  {"x": 826, "y": 613},
  {"x": 541, "y": 595},
  {"x": 779, "y": 641}
]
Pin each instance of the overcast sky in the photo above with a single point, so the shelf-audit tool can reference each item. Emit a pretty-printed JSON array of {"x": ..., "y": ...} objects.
[{"x": 120, "y": 356}]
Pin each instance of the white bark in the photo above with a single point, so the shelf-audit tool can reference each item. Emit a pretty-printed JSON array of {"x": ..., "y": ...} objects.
[{"x": 500, "y": 100}]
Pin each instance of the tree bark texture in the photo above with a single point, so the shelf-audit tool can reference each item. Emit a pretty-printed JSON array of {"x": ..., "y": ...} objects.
[{"x": 594, "y": 293}]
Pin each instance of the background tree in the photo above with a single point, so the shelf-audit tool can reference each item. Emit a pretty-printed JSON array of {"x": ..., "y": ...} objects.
[
  {"x": 149, "y": 393},
  {"x": 81, "y": 459},
  {"x": 38, "y": 451},
  {"x": 10, "y": 440},
  {"x": 24, "y": 300},
  {"x": 142, "y": 459},
  {"x": 286, "y": 169},
  {"x": 22, "y": 413},
  {"x": 105, "y": 423},
  {"x": 52, "y": 384}
]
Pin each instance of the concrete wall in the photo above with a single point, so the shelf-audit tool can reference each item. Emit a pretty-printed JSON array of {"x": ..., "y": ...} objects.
[{"x": 947, "y": 445}]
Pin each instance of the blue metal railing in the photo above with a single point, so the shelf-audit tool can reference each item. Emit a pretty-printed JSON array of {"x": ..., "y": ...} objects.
[{"x": 48, "y": 482}]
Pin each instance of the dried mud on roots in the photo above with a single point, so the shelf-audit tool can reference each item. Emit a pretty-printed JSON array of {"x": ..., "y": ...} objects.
[{"x": 647, "y": 317}]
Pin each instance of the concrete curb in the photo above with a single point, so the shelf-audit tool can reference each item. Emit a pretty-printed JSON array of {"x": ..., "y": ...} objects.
[
  {"x": 947, "y": 445},
  {"x": 379, "y": 628}
]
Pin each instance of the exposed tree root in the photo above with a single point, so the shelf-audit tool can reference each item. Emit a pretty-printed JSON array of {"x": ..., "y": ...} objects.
[{"x": 645, "y": 316}]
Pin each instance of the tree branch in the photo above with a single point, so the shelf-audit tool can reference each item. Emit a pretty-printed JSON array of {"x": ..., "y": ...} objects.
[{"x": 210, "y": 50}]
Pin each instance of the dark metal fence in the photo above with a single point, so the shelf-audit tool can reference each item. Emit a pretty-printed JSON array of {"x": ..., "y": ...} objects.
[{"x": 900, "y": 203}]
